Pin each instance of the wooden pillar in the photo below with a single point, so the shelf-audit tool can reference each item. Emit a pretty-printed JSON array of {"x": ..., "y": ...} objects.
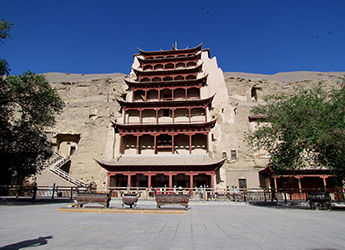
[
  {"x": 299, "y": 184},
  {"x": 191, "y": 180},
  {"x": 145, "y": 95},
  {"x": 212, "y": 179},
  {"x": 173, "y": 116},
  {"x": 140, "y": 116},
  {"x": 190, "y": 144},
  {"x": 205, "y": 114},
  {"x": 138, "y": 144},
  {"x": 149, "y": 181},
  {"x": 324, "y": 183},
  {"x": 186, "y": 94},
  {"x": 124, "y": 116},
  {"x": 149, "y": 184},
  {"x": 275, "y": 183},
  {"x": 159, "y": 94},
  {"x": 155, "y": 144},
  {"x": 157, "y": 116},
  {"x": 172, "y": 144},
  {"x": 170, "y": 180},
  {"x": 129, "y": 180},
  {"x": 190, "y": 114}
]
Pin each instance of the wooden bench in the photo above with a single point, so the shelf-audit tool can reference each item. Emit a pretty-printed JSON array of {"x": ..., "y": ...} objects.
[
  {"x": 319, "y": 199},
  {"x": 101, "y": 198},
  {"x": 164, "y": 199}
]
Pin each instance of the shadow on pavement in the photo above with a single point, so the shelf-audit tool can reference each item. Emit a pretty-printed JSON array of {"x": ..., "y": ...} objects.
[
  {"x": 28, "y": 243},
  {"x": 23, "y": 201},
  {"x": 295, "y": 204}
]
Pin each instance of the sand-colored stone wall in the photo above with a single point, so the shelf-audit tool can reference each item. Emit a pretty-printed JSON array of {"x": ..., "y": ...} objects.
[{"x": 91, "y": 105}]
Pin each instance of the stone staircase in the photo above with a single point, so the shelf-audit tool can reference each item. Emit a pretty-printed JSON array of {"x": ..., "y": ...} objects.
[{"x": 55, "y": 162}]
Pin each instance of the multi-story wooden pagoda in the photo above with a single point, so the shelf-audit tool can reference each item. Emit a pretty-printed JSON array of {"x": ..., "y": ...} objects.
[{"x": 163, "y": 137}]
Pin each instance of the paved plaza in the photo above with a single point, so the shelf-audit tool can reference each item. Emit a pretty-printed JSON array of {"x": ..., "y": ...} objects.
[{"x": 206, "y": 225}]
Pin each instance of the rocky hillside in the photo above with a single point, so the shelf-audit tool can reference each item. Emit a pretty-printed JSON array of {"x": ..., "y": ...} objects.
[{"x": 91, "y": 105}]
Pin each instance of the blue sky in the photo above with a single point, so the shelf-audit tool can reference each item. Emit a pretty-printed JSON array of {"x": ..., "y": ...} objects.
[{"x": 101, "y": 36}]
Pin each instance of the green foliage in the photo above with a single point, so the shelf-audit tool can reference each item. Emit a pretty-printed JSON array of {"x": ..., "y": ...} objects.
[
  {"x": 4, "y": 69},
  {"x": 27, "y": 106},
  {"x": 31, "y": 96},
  {"x": 5, "y": 28},
  {"x": 306, "y": 128}
]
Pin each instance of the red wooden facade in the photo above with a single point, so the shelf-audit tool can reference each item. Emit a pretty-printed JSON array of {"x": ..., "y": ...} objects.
[
  {"x": 299, "y": 182},
  {"x": 164, "y": 116}
]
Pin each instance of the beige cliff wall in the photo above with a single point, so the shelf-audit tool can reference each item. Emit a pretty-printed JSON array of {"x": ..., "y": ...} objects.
[
  {"x": 91, "y": 105},
  {"x": 239, "y": 86}
]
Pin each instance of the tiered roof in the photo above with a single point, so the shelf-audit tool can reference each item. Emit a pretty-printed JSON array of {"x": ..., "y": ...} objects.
[
  {"x": 170, "y": 163},
  {"x": 167, "y": 128},
  {"x": 170, "y": 59},
  {"x": 184, "y": 163},
  {"x": 189, "y": 82},
  {"x": 173, "y": 51},
  {"x": 195, "y": 69},
  {"x": 175, "y": 103}
]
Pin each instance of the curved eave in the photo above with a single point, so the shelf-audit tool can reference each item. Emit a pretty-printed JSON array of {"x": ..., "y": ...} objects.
[
  {"x": 168, "y": 103},
  {"x": 168, "y": 71},
  {"x": 139, "y": 84},
  {"x": 175, "y": 51},
  {"x": 114, "y": 166},
  {"x": 172, "y": 59},
  {"x": 170, "y": 125}
]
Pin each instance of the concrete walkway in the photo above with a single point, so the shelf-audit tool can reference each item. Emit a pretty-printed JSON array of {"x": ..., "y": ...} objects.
[{"x": 206, "y": 225}]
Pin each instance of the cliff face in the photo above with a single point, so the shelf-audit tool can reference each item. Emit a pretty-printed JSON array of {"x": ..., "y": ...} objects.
[
  {"x": 246, "y": 91},
  {"x": 91, "y": 105}
]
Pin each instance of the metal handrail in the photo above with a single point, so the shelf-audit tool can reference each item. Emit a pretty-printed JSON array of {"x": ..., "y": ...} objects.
[
  {"x": 212, "y": 194},
  {"x": 55, "y": 164},
  {"x": 67, "y": 177}
]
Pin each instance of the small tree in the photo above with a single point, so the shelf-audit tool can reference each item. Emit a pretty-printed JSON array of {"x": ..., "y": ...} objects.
[
  {"x": 27, "y": 105},
  {"x": 305, "y": 128}
]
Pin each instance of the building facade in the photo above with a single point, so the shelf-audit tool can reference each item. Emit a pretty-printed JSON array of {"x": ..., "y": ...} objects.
[
  {"x": 164, "y": 135},
  {"x": 175, "y": 120}
]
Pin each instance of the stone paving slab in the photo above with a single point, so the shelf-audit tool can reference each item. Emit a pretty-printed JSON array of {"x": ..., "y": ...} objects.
[{"x": 203, "y": 226}]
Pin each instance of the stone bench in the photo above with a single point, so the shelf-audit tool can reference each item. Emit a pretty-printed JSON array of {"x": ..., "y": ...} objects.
[
  {"x": 319, "y": 199},
  {"x": 101, "y": 198},
  {"x": 164, "y": 199}
]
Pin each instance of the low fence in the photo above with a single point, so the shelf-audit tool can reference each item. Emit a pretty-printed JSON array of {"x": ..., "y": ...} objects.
[
  {"x": 205, "y": 194},
  {"x": 42, "y": 191}
]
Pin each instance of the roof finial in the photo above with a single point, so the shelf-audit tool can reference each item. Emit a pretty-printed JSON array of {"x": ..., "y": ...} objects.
[{"x": 174, "y": 47}]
